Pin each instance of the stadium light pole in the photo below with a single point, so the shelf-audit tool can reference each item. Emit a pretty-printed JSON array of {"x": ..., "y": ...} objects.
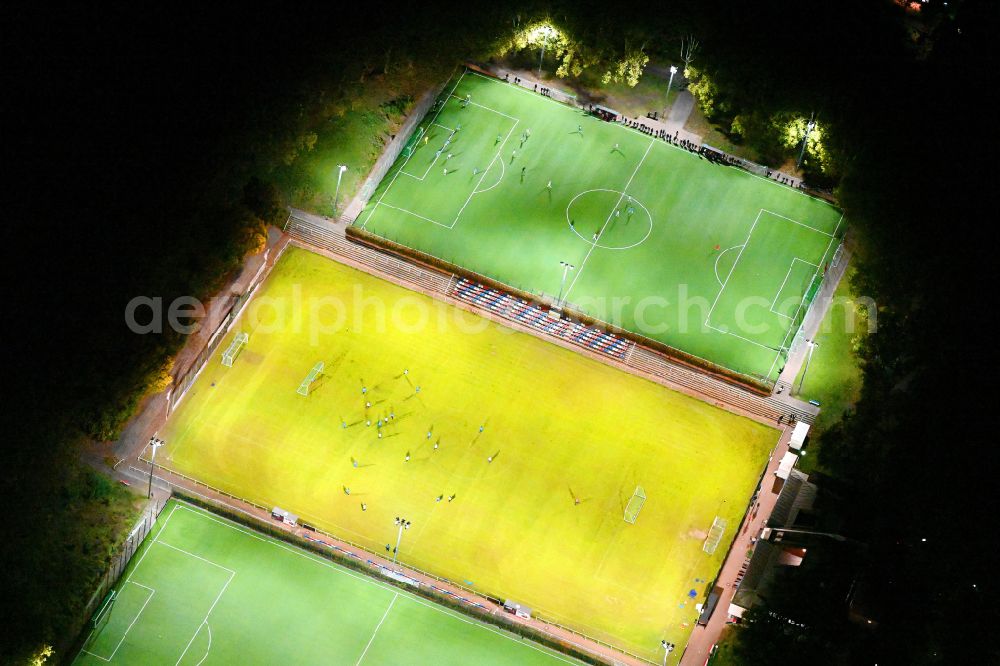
[
  {"x": 403, "y": 524},
  {"x": 336, "y": 197},
  {"x": 805, "y": 140},
  {"x": 667, "y": 649},
  {"x": 155, "y": 443},
  {"x": 673, "y": 70},
  {"x": 812, "y": 346},
  {"x": 546, "y": 32},
  {"x": 566, "y": 269}
]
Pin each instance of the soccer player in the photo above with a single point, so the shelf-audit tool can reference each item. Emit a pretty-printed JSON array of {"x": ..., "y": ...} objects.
[
  {"x": 475, "y": 171},
  {"x": 428, "y": 434},
  {"x": 353, "y": 461},
  {"x": 426, "y": 139},
  {"x": 449, "y": 157},
  {"x": 446, "y": 171},
  {"x": 616, "y": 146},
  {"x": 439, "y": 498},
  {"x": 579, "y": 128},
  {"x": 482, "y": 427},
  {"x": 453, "y": 497},
  {"x": 549, "y": 186},
  {"x": 364, "y": 507},
  {"x": 347, "y": 491},
  {"x": 499, "y": 139},
  {"x": 436, "y": 444},
  {"x": 407, "y": 458},
  {"x": 489, "y": 459}
]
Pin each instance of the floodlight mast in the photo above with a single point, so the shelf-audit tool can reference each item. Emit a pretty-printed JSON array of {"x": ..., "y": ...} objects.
[
  {"x": 403, "y": 524},
  {"x": 155, "y": 444},
  {"x": 673, "y": 70},
  {"x": 336, "y": 197},
  {"x": 812, "y": 346},
  {"x": 546, "y": 32},
  {"x": 566, "y": 269},
  {"x": 805, "y": 140},
  {"x": 667, "y": 649}
]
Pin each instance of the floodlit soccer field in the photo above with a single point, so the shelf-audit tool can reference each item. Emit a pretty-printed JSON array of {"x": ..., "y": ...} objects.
[
  {"x": 204, "y": 590},
  {"x": 706, "y": 258},
  {"x": 558, "y": 426}
]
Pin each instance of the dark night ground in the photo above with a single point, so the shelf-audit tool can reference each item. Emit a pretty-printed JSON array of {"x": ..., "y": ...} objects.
[{"x": 114, "y": 123}]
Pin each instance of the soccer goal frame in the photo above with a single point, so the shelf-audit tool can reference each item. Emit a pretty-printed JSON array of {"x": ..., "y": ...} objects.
[
  {"x": 310, "y": 378},
  {"x": 634, "y": 505},
  {"x": 715, "y": 535},
  {"x": 104, "y": 611},
  {"x": 234, "y": 348}
]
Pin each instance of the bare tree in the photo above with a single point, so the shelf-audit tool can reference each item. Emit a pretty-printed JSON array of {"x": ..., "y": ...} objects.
[{"x": 689, "y": 47}]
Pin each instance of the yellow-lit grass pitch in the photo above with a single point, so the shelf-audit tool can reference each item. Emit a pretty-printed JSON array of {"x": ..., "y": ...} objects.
[{"x": 570, "y": 439}]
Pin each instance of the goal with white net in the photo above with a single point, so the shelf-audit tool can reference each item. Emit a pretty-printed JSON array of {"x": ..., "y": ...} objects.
[
  {"x": 234, "y": 348},
  {"x": 715, "y": 535},
  {"x": 104, "y": 611},
  {"x": 635, "y": 505},
  {"x": 310, "y": 378}
]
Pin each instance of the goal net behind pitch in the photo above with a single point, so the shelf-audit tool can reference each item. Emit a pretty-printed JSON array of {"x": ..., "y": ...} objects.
[
  {"x": 310, "y": 378},
  {"x": 234, "y": 348},
  {"x": 104, "y": 611},
  {"x": 634, "y": 505},
  {"x": 715, "y": 535},
  {"x": 411, "y": 145}
]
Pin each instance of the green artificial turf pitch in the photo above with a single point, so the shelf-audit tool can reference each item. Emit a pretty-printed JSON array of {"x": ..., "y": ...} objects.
[
  {"x": 660, "y": 212},
  {"x": 203, "y": 590},
  {"x": 557, "y": 423}
]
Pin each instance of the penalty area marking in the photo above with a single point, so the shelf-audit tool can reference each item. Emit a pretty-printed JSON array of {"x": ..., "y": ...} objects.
[{"x": 131, "y": 624}]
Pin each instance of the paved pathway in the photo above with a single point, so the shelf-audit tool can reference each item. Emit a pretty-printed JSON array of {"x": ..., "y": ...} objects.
[{"x": 680, "y": 110}]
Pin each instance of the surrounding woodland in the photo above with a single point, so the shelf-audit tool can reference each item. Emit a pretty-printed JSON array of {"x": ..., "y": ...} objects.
[{"x": 146, "y": 150}]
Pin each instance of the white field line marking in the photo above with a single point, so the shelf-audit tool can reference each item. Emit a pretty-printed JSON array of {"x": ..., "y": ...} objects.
[
  {"x": 209, "y": 648},
  {"x": 410, "y": 212},
  {"x": 603, "y": 226},
  {"x": 771, "y": 212},
  {"x": 786, "y": 187},
  {"x": 499, "y": 113},
  {"x": 382, "y": 196},
  {"x": 740, "y": 337},
  {"x": 717, "y": 278},
  {"x": 368, "y": 580},
  {"x": 733, "y": 269},
  {"x": 150, "y": 545},
  {"x": 205, "y": 620},
  {"x": 377, "y": 627},
  {"x": 499, "y": 154},
  {"x": 129, "y": 628},
  {"x": 197, "y": 557}
]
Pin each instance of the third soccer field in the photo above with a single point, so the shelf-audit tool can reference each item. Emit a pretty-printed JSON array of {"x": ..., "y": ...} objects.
[
  {"x": 706, "y": 258},
  {"x": 204, "y": 590},
  {"x": 512, "y": 457}
]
